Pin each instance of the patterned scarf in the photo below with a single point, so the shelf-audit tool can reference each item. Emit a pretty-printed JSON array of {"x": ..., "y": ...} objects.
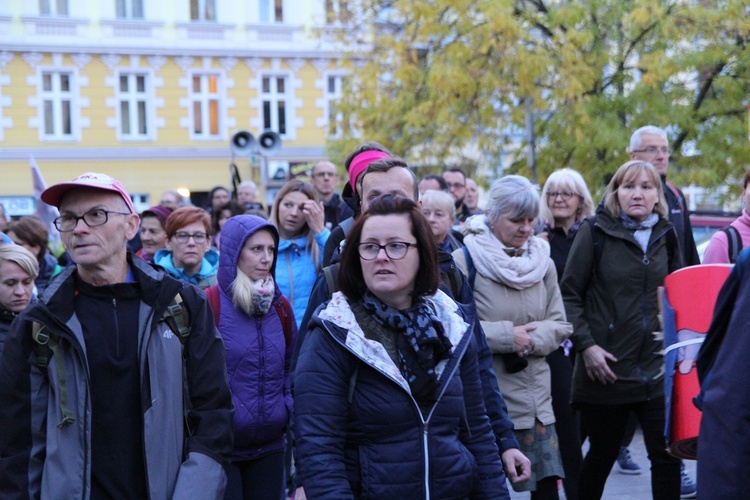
[
  {"x": 641, "y": 230},
  {"x": 421, "y": 344},
  {"x": 263, "y": 295}
]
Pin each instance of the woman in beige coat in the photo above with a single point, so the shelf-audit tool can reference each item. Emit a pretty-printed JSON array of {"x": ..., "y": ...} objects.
[{"x": 521, "y": 311}]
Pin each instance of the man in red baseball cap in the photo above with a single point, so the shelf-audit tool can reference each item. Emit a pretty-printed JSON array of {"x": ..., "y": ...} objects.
[{"x": 127, "y": 414}]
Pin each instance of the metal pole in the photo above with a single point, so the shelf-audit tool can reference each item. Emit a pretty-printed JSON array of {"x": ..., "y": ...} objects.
[{"x": 531, "y": 152}]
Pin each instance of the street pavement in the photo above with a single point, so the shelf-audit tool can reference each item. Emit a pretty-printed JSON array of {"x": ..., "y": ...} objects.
[{"x": 621, "y": 486}]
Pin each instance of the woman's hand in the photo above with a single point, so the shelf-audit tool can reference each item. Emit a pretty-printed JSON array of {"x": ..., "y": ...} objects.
[
  {"x": 595, "y": 358},
  {"x": 517, "y": 466},
  {"x": 523, "y": 344},
  {"x": 314, "y": 216}
]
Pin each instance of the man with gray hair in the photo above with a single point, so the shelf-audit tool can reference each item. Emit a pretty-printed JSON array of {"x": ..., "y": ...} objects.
[
  {"x": 246, "y": 193},
  {"x": 324, "y": 179},
  {"x": 650, "y": 144},
  {"x": 114, "y": 384}
]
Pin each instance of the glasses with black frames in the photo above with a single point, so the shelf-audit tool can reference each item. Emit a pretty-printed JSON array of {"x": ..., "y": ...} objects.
[
  {"x": 565, "y": 195},
  {"x": 93, "y": 218},
  {"x": 395, "y": 250}
]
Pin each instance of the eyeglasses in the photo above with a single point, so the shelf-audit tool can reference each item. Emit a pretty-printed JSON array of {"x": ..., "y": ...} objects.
[
  {"x": 184, "y": 237},
  {"x": 652, "y": 150},
  {"x": 93, "y": 218},
  {"x": 395, "y": 250},
  {"x": 325, "y": 174},
  {"x": 455, "y": 185},
  {"x": 565, "y": 195}
]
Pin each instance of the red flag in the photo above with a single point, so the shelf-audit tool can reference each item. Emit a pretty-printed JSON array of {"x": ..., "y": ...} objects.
[{"x": 46, "y": 213}]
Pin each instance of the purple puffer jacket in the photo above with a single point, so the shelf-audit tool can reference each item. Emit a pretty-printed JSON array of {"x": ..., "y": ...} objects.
[{"x": 258, "y": 356}]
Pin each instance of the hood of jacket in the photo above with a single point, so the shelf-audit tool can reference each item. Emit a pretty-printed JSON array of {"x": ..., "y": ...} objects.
[
  {"x": 234, "y": 234},
  {"x": 209, "y": 266}
]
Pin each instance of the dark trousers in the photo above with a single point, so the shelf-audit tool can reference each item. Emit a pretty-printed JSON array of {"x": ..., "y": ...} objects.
[
  {"x": 566, "y": 420},
  {"x": 606, "y": 426},
  {"x": 259, "y": 479}
]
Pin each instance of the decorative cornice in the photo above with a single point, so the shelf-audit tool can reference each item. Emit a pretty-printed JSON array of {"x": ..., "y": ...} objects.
[
  {"x": 296, "y": 64},
  {"x": 81, "y": 60},
  {"x": 320, "y": 64},
  {"x": 111, "y": 61},
  {"x": 156, "y": 62},
  {"x": 254, "y": 63},
  {"x": 32, "y": 58},
  {"x": 5, "y": 58},
  {"x": 228, "y": 63},
  {"x": 184, "y": 62},
  {"x": 130, "y": 152}
]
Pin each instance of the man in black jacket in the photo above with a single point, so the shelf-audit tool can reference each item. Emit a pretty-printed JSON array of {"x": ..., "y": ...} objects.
[
  {"x": 650, "y": 144},
  {"x": 99, "y": 360}
]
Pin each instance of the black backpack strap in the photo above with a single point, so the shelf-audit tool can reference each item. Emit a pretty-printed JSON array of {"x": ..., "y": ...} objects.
[
  {"x": 734, "y": 242},
  {"x": 330, "y": 273},
  {"x": 176, "y": 318}
]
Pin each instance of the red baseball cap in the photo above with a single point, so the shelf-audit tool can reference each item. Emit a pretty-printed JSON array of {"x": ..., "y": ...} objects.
[{"x": 53, "y": 195}]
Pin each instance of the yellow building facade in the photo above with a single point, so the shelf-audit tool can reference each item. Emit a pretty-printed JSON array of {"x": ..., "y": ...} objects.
[{"x": 152, "y": 92}]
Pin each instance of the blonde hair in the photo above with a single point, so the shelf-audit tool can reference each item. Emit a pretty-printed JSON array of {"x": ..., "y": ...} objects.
[
  {"x": 243, "y": 290},
  {"x": 626, "y": 172},
  {"x": 20, "y": 256},
  {"x": 569, "y": 179}
]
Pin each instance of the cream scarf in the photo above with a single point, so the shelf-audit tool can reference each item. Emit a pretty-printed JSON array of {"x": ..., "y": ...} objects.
[{"x": 492, "y": 261}]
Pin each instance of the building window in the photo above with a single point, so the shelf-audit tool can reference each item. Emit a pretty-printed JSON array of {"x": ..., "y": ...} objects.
[
  {"x": 272, "y": 11},
  {"x": 206, "y": 101},
  {"x": 130, "y": 9},
  {"x": 337, "y": 11},
  {"x": 203, "y": 10},
  {"x": 274, "y": 97},
  {"x": 57, "y": 101},
  {"x": 53, "y": 7},
  {"x": 333, "y": 97},
  {"x": 132, "y": 95}
]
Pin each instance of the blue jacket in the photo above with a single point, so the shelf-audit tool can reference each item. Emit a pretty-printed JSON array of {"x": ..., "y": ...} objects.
[
  {"x": 203, "y": 278},
  {"x": 724, "y": 438},
  {"x": 497, "y": 410},
  {"x": 359, "y": 433},
  {"x": 296, "y": 272},
  {"x": 258, "y": 357},
  {"x": 38, "y": 457}
]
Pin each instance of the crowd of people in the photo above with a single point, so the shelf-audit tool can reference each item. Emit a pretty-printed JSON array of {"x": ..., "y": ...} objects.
[{"x": 401, "y": 338}]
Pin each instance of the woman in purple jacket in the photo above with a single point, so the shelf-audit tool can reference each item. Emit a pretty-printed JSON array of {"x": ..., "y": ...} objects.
[{"x": 258, "y": 355}]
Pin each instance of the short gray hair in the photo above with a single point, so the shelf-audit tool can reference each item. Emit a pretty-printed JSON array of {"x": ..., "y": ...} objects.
[
  {"x": 440, "y": 199},
  {"x": 514, "y": 197},
  {"x": 635, "y": 139},
  {"x": 249, "y": 184},
  {"x": 570, "y": 179}
]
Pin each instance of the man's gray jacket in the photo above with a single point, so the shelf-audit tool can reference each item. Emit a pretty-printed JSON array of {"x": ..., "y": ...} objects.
[{"x": 44, "y": 454}]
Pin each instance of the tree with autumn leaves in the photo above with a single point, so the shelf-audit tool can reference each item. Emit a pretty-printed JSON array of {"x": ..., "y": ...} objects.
[{"x": 455, "y": 81}]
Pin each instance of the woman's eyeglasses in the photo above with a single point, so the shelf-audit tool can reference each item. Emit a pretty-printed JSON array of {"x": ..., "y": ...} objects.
[
  {"x": 565, "y": 195},
  {"x": 184, "y": 237},
  {"x": 395, "y": 250}
]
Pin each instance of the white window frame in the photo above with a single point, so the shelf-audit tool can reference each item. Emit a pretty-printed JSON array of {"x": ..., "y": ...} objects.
[
  {"x": 333, "y": 10},
  {"x": 273, "y": 97},
  {"x": 203, "y": 6},
  {"x": 56, "y": 8},
  {"x": 336, "y": 128},
  {"x": 57, "y": 97},
  {"x": 204, "y": 97},
  {"x": 126, "y": 9},
  {"x": 269, "y": 13},
  {"x": 133, "y": 97}
]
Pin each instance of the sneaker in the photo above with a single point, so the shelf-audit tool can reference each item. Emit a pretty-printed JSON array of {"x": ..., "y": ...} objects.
[
  {"x": 625, "y": 463},
  {"x": 687, "y": 485}
]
